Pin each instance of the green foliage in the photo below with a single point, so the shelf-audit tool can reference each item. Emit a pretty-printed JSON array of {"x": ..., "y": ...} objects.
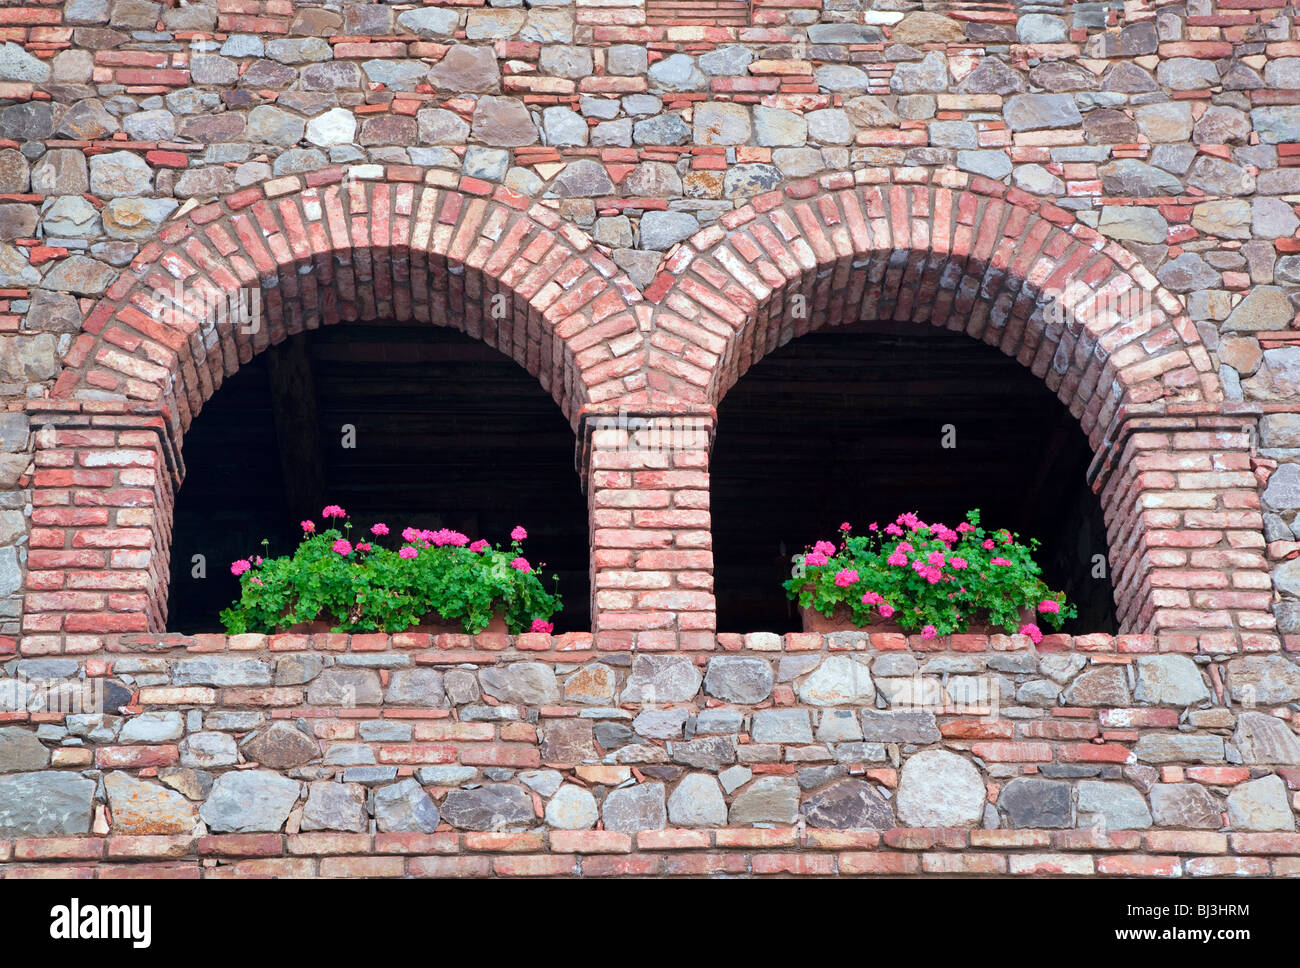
[
  {"x": 365, "y": 587},
  {"x": 929, "y": 577}
]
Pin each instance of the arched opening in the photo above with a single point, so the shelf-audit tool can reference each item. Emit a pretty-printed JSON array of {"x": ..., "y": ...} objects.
[
  {"x": 410, "y": 425},
  {"x": 867, "y": 421}
]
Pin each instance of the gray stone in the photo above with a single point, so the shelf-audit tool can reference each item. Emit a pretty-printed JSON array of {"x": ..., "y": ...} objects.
[
  {"x": 1179, "y": 747},
  {"x": 839, "y": 680},
  {"x": 338, "y": 126},
  {"x": 1264, "y": 308},
  {"x": 153, "y": 728},
  {"x": 781, "y": 726},
  {"x": 335, "y": 806},
  {"x": 1218, "y": 177},
  {"x": 1104, "y": 686},
  {"x": 295, "y": 670},
  {"x": 44, "y": 804},
  {"x": 1034, "y": 112},
  {"x": 564, "y": 127},
  {"x": 895, "y": 726},
  {"x": 345, "y": 687},
  {"x": 1221, "y": 125},
  {"x": 849, "y": 805},
  {"x": 430, "y": 21},
  {"x": 584, "y": 178},
  {"x": 450, "y": 776},
  {"x": 769, "y": 799},
  {"x": 568, "y": 741},
  {"x": 1029, "y": 802},
  {"x": 119, "y": 173},
  {"x": 1260, "y": 805},
  {"x": 461, "y": 686},
  {"x": 281, "y": 746},
  {"x": 493, "y": 806},
  {"x": 1063, "y": 76},
  {"x": 1187, "y": 272},
  {"x": 1187, "y": 74},
  {"x": 404, "y": 807},
  {"x": 729, "y": 61},
  {"x": 221, "y": 671},
  {"x": 571, "y": 62},
  {"x": 87, "y": 120},
  {"x": 719, "y": 721},
  {"x": 953, "y": 134},
  {"x": 526, "y": 683},
  {"x": 1260, "y": 738},
  {"x": 204, "y": 182},
  {"x": 1112, "y": 806},
  {"x": 249, "y": 801},
  {"x": 1272, "y": 218},
  {"x": 662, "y": 679},
  {"x": 208, "y": 750},
  {"x": 992, "y": 76},
  {"x": 738, "y": 679},
  {"x": 677, "y": 72},
  {"x": 666, "y": 129},
  {"x": 467, "y": 69},
  {"x": 572, "y": 808},
  {"x": 722, "y": 123},
  {"x": 632, "y": 60},
  {"x": 939, "y": 788},
  {"x": 416, "y": 687},
  {"x": 299, "y": 50},
  {"x": 66, "y": 217},
  {"x": 1263, "y": 679},
  {"x": 704, "y": 753},
  {"x": 1185, "y": 805},
  {"x": 1283, "y": 490},
  {"x": 489, "y": 163},
  {"x": 1277, "y": 124},
  {"x": 930, "y": 74},
  {"x": 638, "y": 807},
  {"x": 1170, "y": 679},
  {"x": 21, "y": 750},
  {"x": 697, "y": 802},
  {"x": 1165, "y": 121},
  {"x": 18, "y": 65},
  {"x": 1129, "y": 176},
  {"x": 838, "y": 726},
  {"x": 137, "y": 219},
  {"x": 777, "y": 127},
  {"x": 990, "y": 162},
  {"x": 1228, "y": 219},
  {"x": 663, "y": 230},
  {"x": 62, "y": 171},
  {"x": 1041, "y": 28},
  {"x": 269, "y": 124}
]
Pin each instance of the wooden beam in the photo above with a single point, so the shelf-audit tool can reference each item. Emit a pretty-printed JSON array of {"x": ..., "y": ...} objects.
[{"x": 297, "y": 428}]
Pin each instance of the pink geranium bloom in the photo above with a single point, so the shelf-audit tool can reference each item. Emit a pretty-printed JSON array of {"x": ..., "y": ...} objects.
[
  {"x": 893, "y": 529},
  {"x": 518, "y": 534},
  {"x": 1003, "y": 562},
  {"x": 1049, "y": 606},
  {"x": 343, "y": 546},
  {"x": 897, "y": 559},
  {"x": 846, "y": 577},
  {"x": 904, "y": 546},
  {"x": 479, "y": 546},
  {"x": 1032, "y": 631},
  {"x": 936, "y": 558},
  {"x": 308, "y": 526},
  {"x": 363, "y": 546},
  {"x": 872, "y": 598},
  {"x": 988, "y": 544},
  {"x": 929, "y": 632},
  {"x": 965, "y": 526},
  {"x": 521, "y": 564},
  {"x": 814, "y": 559},
  {"x": 846, "y": 526},
  {"x": 407, "y": 553},
  {"x": 958, "y": 563},
  {"x": 379, "y": 530},
  {"x": 410, "y": 534},
  {"x": 256, "y": 581},
  {"x": 873, "y": 526},
  {"x": 541, "y": 625},
  {"x": 886, "y": 610},
  {"x": 333, "y": 511},
  {"x": 825, "y": 547},
  {"x": 237, "y": 568}
]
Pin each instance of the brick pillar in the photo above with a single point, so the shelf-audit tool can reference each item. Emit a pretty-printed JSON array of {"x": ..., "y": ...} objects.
[
  {"x": 646, "y": 473},
  {"x": 1181, "y": 501},
  {"x": 102, "y": 497}
]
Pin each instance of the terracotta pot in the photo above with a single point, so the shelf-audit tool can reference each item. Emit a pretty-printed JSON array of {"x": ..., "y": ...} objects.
[
  {"x": 435, "y": 624},
  {"x": 841, "y": 620},
  {"x": 316, "y": 627}
]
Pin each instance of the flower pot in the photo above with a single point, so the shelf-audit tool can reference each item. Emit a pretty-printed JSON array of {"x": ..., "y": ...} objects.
[
  {"x": 434, "y": 624},
  {"x": 841, "y": 620}
]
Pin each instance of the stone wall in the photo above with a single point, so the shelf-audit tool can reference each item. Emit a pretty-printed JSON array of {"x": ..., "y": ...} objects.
[{"x": 418, "y": 755}]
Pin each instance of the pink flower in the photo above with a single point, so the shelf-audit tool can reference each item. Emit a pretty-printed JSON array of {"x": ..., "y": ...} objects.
[
  {"x": 1032, "y": 631},
  {"x": 333, "y": 511},
  {"x": 944, "y": 534},
  {"x": 408, "y": 553},
  {"x": 965, "y": 526},
  {"x": 257, "y": 560},
  {"x": 445, "y": 536},
  {"x": 825, "y": 547},
  {"x": 846, "y": 526},
  {"x": 541, "y": 625},
  {"x": 363, "y": 546},
  {"x": 379, "y": 530},
  {"x": 936, "y": 558},
  {"x": 872, "y": 598},
  {"x": 932, "y": 575},
  {"x": 342, "y": 546},
  {"x": 893, "y": 529},
  {"x": 897, "y": 558},
  {"x": 1049, "y": 606},
  {"x": 846, "y": 577},
  {"x": 518, "y": 534},
  {"x": 479, "y": 546},
  {"x": 886, "y": 610},
  {"x": 256, "y": 581},
  {"x": 929, "y": 632},
  {"x": 988, "y": 544},
  {"x": 410, "y": 534},
  {"x": 308, "y": 526},
  {"x": 1003, "y": 562},
  {"x": 815, "y": 558},
  {"x": 873, "y": 526},
  {"x": 958, "y": 563},
  {"x": 904, "y": 546},
  {"x": 521, "y": 564},
  {"x": 237, "y": 568}
]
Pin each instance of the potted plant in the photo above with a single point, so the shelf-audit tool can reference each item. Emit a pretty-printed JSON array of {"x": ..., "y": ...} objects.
[
  {"x": 432, "y": 581},
  {"x": 910, "y": 576}
]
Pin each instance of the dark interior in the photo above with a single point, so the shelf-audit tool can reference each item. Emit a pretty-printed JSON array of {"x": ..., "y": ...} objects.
[
  {"x": 849, "y": 423},
  {"x": 448, "y": 433}
]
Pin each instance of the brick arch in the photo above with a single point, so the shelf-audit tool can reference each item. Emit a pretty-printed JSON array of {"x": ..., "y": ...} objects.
[
  {"x": 1173, "y": 463},
  {"x": 335, "y": 246},
  {"x": 966, "y": 254}
]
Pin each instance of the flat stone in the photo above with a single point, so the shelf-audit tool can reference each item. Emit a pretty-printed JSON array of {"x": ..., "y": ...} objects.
[
  {"x": 1264, "y": 308},
  {"x": 697, "y": 802},
  {"x": 924, "y": 27},
  {"x": 661, "y": 723},
  {"x": 728, "y": 61},
  {"x": 493, "y": 806},
  {"x": 704, "y": 753},
  {"x": 781, "y": 726},
  {"x": 1063, "y": 76},
  {"x": 572, "y": 808},
  {"x": 1187, "y": 74},
  {"x": 738, "y": 679},
  {"x": 1218, "y": 177},
  {"x": 722, "y": 123},
  {"x": 296, "y": 670},
  {"x": 1165, "y": 121},
  {"x": 1112, "y": 806},
  {"x": 591, "y": 685},
  {"x": 938, "y": 788},
  {"x": 281, "y": 746},
  {"x": 928, "y": 75},
  {"x": 662, "y": 230},
  {"x": 189, "y": 783},
  {"x": 335, "y": 806},
  {"x": 1185, "y": 805},
  {"x": 1179, "y": 748},
  {"x": 769, "y": 799},
  {"x": 568, "y": 741},
  {"x": 839, "y": 680},
  {"x": 1129, "y": 176},
  {"x": 677, "y": 72},
  {"x": 164, "y": 727},
  {"x": 584, "y": 178},
  {"x": 208, "y": 750},
  {"x": 21, "y": 750},
  {"x": 416, "y": 687},
  {"x": 338, "y": 126},
  {"x": 896, "y": 726},
  {"x": 137, "y": 219},
  {"x": 564, "y": 127},
  {"x": 1169, "y": 679},
  {"x": 665, "y": 129},
  {"x": 141, "y": 809},
  {"x": 1260, "y": 738},
  {"x": 1187, "y": 272},
  {"x": 450, "y": 776},
  {"x": 632, "y": 60},
  {"x": 66, "y": 217},
  {"x": 45, "y": 804},
  {"x": 662, "y": 679},
  {"x": 1260, "y": 805},
  {"x": 345, "y": 687},
  {"x": 1109, "y": 127},
  {"x": 119, "y": 173},
  {"x": 1028, "y": 802},
  {"x": 869, "y": 111},
  {"x": 1222, "y": 125},
  {"x": 249, "y": 801},
  {"x": 1277, "y": 123},
  {"x": 1104, "y": 686},
  {"x": 404, "y": 807},
  {"x": 777, "y": 127},
  {"x": 430, "y": 22},
  {"x": 990, "y": 162},
  {"x": 992, "y": 76},
  {"x": 1263, "y": 679},
  {"x": 18, "y": 65},
  {"x": 638, "y": 807},
  {"x": 1035, "y": 112},
  {"x": 745, "y": 181},
  {"x": 299, "y": 50},
  {"x": 1229, "y": 219},
  {"x": 221, "y": 671},
  {"x": 849, "y": 805}
]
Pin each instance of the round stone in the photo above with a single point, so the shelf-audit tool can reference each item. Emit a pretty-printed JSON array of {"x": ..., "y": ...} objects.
[{"x": 938, "y": 788}]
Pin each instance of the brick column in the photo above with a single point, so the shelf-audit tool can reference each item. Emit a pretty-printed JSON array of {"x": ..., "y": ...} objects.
[
  {"x": 1181, "y": 501},
  {"x": 102, "y": 498},
  {"x": 646, "y": 473}
]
